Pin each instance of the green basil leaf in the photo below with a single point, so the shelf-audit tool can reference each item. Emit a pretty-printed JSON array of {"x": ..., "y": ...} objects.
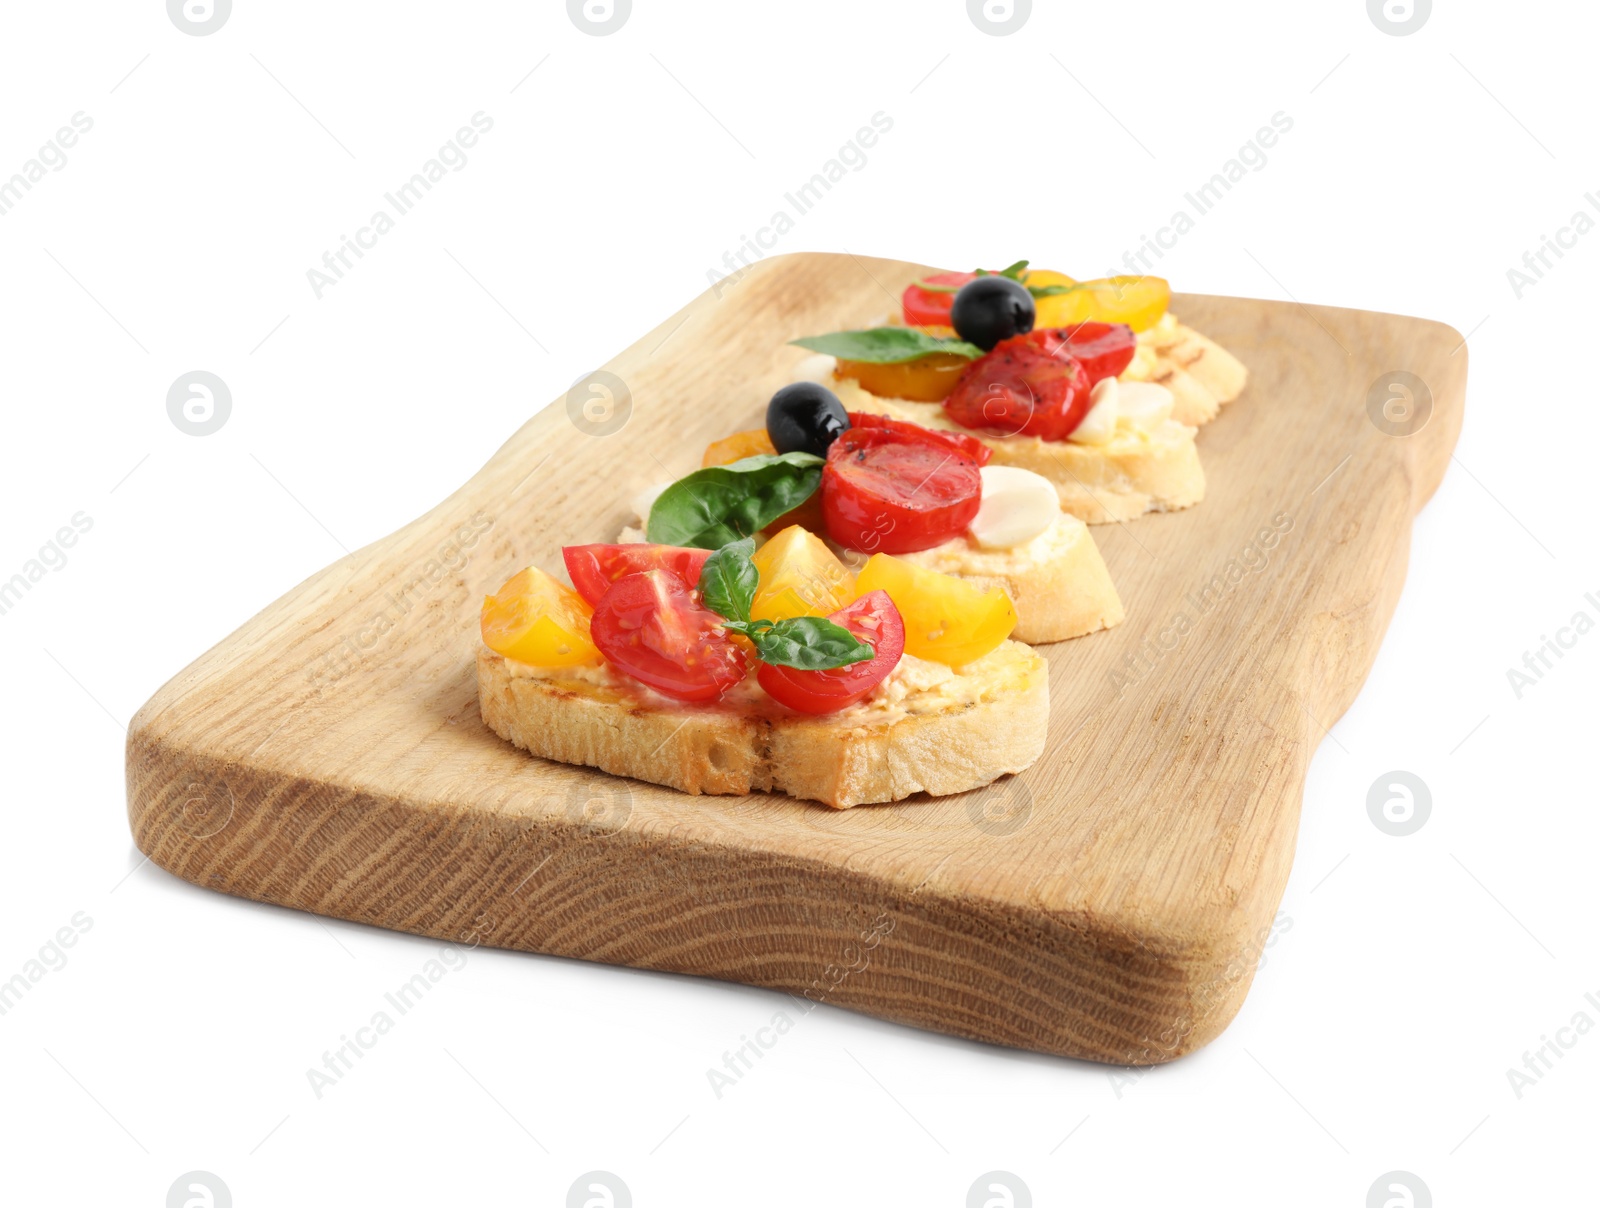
[
  {"x": 719, "y": 504},
  {"x": 1014, "y": 271},
  {"x": 728, "y": 581},
  {"x": 809, "y": 643},
  {"x": 887, "y": 345}
]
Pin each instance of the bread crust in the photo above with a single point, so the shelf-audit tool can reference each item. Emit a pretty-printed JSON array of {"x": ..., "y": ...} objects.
[{"x": 742, "y": 746}]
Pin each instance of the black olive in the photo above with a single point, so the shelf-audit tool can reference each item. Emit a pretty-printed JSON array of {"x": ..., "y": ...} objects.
[
  {"x": 990, "y": 309},
  {"x": 805, "y": 418}
]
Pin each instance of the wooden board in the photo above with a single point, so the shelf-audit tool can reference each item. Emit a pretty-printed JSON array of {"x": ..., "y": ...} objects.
[{"x": 1109, "y": 903}]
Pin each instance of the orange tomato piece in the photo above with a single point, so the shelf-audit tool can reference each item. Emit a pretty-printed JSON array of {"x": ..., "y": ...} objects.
[
  {"x": 948, "y": 620},
  {"x": 750, "y": 443},
  {"x": 925, "y": 380},
  {"x": 538, "y": 620},
  {"x": 1137, "y": 301},
  {"x": 800, "y": 577}
]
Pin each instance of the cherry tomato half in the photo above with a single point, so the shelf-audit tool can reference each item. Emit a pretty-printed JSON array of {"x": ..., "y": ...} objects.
[
  {"x": 876, "y": 621},
  {"x": 594, "y": 568},
  {"x": 968, "y": 446},
  {"x": 890, "y": 491},
  {"x": 1022, "y": 388},
  {"x": 931, "y": 308},
  {"x": 652, "y": 627},
  {"x": 1103, "y": 349}
]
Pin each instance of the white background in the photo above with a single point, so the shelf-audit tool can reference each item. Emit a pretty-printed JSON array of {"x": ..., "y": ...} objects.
[{"x": 1407, "y": 974}]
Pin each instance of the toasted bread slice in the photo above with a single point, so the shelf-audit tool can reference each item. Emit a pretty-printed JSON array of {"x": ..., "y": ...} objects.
[
  {"x": 1201, "y": 374},
  {"x": 927, "y": 728},
  {"x": 1135, "y": 473},
  {"x": 1058, "y": 581}
]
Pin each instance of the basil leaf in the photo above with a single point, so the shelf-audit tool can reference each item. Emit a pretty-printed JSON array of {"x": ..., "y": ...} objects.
[
  {"x": 728, "y": 581},
  {"x": 1014, "y": 271},
  {"x": 887, "y": 345},
  {"x": 720, "y": 504},
  {"x": 808, "y": 643}
]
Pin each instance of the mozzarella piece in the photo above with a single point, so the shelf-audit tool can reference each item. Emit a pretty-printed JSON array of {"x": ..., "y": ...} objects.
[
  {"x": 645, "y": 500},
  {"x": 1146, "y": 405},
  {"x": 1100, "y": 425},
  {"x": 818, "y": 367},
  {"x": 1017, "y": 505}
]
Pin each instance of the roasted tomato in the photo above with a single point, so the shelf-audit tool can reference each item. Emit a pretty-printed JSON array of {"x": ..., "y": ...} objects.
[
  {"x": 875, "y": 620},
  {"x": 931, "y": 308},
  {"x": 538, "y": 620},
  {"x": 925, "y": 380},
  {"x": 800, "y": 577},
  {"x": 947, "y": 619},
  {"x": 894, "y": 491},
  {"x": 967, "y": 446},
  {"x": 652, "y": 627},
  {"x": 1103, "y": 349},
  {"x": 594, "y": 568},
  {"x": 1023, "y": 388}
]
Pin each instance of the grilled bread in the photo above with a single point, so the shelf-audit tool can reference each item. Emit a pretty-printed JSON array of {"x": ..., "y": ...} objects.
[
  {"x": 1201, "y": 374},
  {"x": 927, "y": 728}
]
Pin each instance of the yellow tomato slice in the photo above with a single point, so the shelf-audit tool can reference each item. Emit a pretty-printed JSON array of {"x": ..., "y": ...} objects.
[
  {"x": 800, "y": 577},
  {"x": 925, "y": 380},
  {"x": 749, "y": 443},
  {"x": 538, "y": 620},
  {"x": 1137, "y": 301},
  {"x": 1041, "y": 277},
  {"x": 947, "y": 619},
  {"x": 1057, "y": 311}
]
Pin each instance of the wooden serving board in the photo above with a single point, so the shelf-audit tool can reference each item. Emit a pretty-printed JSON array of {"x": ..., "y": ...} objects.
[{"x": 1109, "y": 903}]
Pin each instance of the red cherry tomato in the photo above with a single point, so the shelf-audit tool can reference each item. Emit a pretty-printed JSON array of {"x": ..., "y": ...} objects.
[
  {"x": 1103, "y": 349},
  {"x": 1022, "y": 388},
  {"x": 968, "y": 446},
  {"x": 884, "y": 491},
  {"x": 876, "y": 621},
  {"x": 594, "y": 568},
  {"x": 652, "y": 627},
  {"x": 929, "y": 308}
]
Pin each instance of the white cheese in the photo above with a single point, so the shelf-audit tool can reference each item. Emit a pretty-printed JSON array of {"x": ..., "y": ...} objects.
[
  {"x": 818, "y": 367},
  {"x": 1145, "y": 405},
  {"x": 1100, "y": 425},
  {"x": 1017, "y": 505}
]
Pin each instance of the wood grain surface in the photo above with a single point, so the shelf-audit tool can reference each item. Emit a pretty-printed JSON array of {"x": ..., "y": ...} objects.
[{"x": 1110, "y": 903}]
